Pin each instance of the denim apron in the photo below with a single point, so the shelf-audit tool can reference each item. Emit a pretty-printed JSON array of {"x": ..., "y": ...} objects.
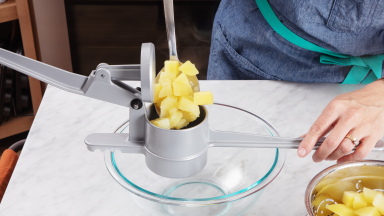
[{"x": 310, "y": 41}]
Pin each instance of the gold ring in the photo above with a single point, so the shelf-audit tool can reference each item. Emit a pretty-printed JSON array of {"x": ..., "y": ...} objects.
[{"x": 353, "y": 139}]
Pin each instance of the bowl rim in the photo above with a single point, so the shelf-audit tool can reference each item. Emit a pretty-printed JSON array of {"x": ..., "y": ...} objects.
[
  {"x": 334, "y": 168},
  {"x": 259, "y": 185}
]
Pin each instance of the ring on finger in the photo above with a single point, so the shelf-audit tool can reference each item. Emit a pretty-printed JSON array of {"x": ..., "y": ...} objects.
[{"x": 355, "y": 141}]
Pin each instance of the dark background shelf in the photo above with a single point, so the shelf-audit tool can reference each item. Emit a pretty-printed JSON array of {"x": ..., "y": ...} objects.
[{"x": 113, "y": 31}]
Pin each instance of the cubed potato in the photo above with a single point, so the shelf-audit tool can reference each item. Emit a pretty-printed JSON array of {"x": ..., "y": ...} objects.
[
  {"x": 349, "y": 197},
  {"x": 188, "y": 68},
  {"x": 190, "y": 97},
  {"x": 167, "y": 75},
  {"x": 157, "y": 90},
  {"x": 172, "y": 67},
  {"x": 367, "y": 211},
  {"x": 175, "y": 86},
  {"x": 175, "y": 118},
  {"x": 203, "y": 98},
  {"x": 360, "y": 201},
  {"x": 167, "y": 104},
  {"x": 181, "y": 89},
  {"x": 187, "y": 105},
  {"x": 181, "y": 86},
  {"x": 370, "y": 194},
  {"x": 166, "y": 91},
  {"x": 165, "y": 82},
  {"x": 173, "y": 110},
  {"x": 182, "y": 123},
  {"x": 162, "y": 123},
  {"x": 190, "y": 117},
  {"x": 378, "y": 202},
  {"x": 341, "y": 210},
  {"x": 182, "y": 78}
]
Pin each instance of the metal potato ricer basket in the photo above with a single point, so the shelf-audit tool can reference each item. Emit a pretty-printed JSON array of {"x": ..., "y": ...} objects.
[{"x": 168, "y": 153}]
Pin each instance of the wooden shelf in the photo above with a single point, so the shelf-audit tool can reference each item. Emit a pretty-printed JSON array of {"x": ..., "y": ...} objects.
[
  {"x": 20, "y": 10},
  {"x": 16, "y": 126},
  {"x": 8, "y": 11}
]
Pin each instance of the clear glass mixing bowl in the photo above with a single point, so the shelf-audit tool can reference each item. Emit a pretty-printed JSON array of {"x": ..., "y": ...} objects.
[{"x": 231, "y": 182}]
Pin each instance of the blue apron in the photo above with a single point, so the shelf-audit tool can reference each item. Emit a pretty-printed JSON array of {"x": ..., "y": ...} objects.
[{"x": 241, "y": 50}]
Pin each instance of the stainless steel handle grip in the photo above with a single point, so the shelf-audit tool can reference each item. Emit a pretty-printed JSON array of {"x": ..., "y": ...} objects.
[
  {"x": 229, "y": 139},
  {"x": 171, "y": 33}
]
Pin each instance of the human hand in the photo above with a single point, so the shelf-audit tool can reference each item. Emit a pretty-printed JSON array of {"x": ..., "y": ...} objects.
[{"x": 359, "y": 113}]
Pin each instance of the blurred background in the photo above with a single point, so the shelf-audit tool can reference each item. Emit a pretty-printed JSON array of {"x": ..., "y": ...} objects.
[
  {"x": 77, "y": 35},
  {"x": 113, "y": 31}
]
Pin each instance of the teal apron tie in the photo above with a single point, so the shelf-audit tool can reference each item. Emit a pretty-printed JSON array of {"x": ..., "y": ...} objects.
[{"x": 361, "y": 65}]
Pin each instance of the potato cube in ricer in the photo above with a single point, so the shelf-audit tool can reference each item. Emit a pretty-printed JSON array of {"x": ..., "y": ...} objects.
[
  {"x": 182, "y": 123},
  {"x": 180, "y": 89},
  {"x": 157, "y": 90},
  {"x": 190, "y": 117},
  {"x": 203, "y": 98},
  {"x": 173, "y": 110},
  {"x": 189, "y": 69},
  {"x": 162, "y": 123},
  {"x": 172, "y": 67},
  {"x": 166, "y": 91},
  {"x": 175, "y": 118},
  {"x": 167, "y": 104},
  {"x": 174, "y": 95},
  {"x": 187, "y": 105},
  {"x": 181, "y": 86},
  {"x": 165, "y": 82},
  {"x": 190, "y": 97},
  {"x": 166, "y": 88},
  {"x": 167, "y": 75}
]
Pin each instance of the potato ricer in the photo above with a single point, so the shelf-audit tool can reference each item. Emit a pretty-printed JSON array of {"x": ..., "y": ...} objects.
[{"x": 168, "y": 153}]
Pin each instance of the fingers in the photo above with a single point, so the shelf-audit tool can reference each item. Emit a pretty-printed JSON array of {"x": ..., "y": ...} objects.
[
  {"x": 302, "y": 136},
  {"x": 346, "y": 145},
  {"x": 366, "y": 146},
  {"x": 332, "y": 141},
  {"x": 321, "y": 127},
  {"x": 343, "y": 149}
]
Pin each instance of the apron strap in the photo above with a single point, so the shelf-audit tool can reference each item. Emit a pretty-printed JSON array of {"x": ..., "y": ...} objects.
[{"x": 360, "y": 72}]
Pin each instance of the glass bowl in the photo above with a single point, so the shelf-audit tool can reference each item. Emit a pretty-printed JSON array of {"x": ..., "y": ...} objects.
[{"x": 231, "y": 182}]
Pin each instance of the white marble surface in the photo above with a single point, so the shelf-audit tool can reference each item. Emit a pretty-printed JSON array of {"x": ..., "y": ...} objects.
[{"x": 57, "y": 175}]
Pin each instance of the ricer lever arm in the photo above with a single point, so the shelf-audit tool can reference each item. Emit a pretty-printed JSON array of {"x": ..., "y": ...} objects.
[
  {"x": 54, "y": 76},
  {"x": 104, "y": 83}
]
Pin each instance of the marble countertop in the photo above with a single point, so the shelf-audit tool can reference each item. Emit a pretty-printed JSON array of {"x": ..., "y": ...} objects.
[{"x": 57, "y": 175}]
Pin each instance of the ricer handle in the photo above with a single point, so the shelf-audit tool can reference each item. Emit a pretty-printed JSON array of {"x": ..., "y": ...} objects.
[
  {"x": 230, "y": 139},
  {"x": 113, "y": 141}
]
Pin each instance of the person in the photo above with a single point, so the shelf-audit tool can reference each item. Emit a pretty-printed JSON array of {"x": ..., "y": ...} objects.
[{"x": 329, "y": 41}]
